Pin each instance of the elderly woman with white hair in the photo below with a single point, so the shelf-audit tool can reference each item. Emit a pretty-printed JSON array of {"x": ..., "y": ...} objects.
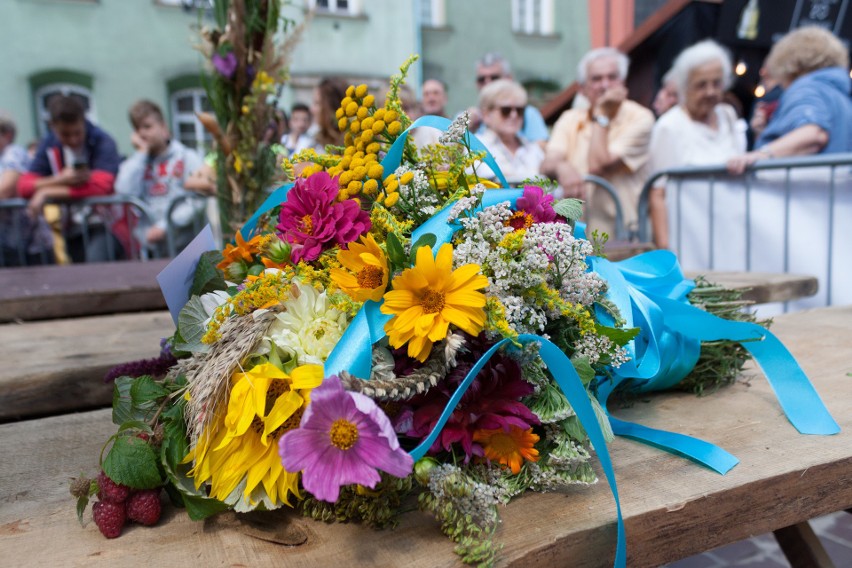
[
  {"x": 701, "y": 130},
  {"x": 502, "y": 103}
]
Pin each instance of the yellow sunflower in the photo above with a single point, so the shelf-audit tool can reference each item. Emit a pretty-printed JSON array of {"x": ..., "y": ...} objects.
[
  {"x": 238, "y": 453},
  {"x": 428, "y": 297},
  {"x": 508, "y": 448},
  {"x": 366, "y": 276}
]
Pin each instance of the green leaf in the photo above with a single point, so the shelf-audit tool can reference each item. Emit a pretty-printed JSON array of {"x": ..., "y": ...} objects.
[
  {"x": 135, "y": 425},
  {"x": 131, "y": 461},
  {"x": 584, "y": 369},
  {"x": 425, "y": 240},
  {"x": 208, "y": 278},
  {"x": 191, "y": 325},
  {"x": 199, "y": 508},
  {"x": 603, "y": 419},
  {"x": 570, "y": 208},
  {"x": 396, "y": 254},
  {"x": 82, "y": 503},
  {"x": 619, "y": 336},
  {"x": 122, "y": 409},
  {"x": 145, "y": 390}
]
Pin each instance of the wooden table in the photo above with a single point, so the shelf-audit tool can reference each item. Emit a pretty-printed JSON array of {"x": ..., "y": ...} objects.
[
  {"x": 672, "y": 507},
  {"x": 50, "y": 292},
  {"x": 50, "y": 367}
]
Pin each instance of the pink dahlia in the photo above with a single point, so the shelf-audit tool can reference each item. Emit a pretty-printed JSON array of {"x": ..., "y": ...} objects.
[
  {"x": 491, "y": 402},
  {"x": 343, "y": 438},
  {"x": 537, "y": 204},
  {"x": 312, "y": 219}
]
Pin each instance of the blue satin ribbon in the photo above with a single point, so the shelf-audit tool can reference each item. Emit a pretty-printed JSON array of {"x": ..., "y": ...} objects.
[
  {"x": 275, "y": 199},
  {"x": 650, "y": 293}
]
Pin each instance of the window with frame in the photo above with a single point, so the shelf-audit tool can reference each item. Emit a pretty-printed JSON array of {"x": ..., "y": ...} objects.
[
  {"x": 532, "y": 17},
  {"x": 46, "y": 93},
  {"x": 433, "y": 13},
  {"x": 337, "y": 7},
  {"x": 186, "y": 126}
]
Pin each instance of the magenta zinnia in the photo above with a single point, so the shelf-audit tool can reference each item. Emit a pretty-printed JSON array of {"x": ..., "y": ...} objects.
[
  {"x": 538, "y": 205},
  {"x": 344, "y": 438},
  {"x": 312, "y": 219}
]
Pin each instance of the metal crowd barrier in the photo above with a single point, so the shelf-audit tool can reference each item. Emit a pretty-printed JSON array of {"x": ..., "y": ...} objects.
[
  {"x": 119, "y": 215},
  {"x": 621, "y": 232},
  {"x": 783, "y": 215}
]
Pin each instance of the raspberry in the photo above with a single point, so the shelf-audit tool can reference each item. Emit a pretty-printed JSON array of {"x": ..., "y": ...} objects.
[
  {"x": 109, "y": 490},
  {"x": 109, "y": 517},
  {"x": 144, "y": 507}
]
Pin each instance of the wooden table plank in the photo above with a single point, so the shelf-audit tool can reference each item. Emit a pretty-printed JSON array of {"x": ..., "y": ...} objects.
[
  {"x": 763, "y": 287},
  {"x": 672, "y": 507},
  {"x": 50, "y": 292},
  {"x": 59, "y": 366}
]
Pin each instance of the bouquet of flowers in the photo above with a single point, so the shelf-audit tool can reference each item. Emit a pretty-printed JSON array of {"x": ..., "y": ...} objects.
[{"x": 388, "y": 327}]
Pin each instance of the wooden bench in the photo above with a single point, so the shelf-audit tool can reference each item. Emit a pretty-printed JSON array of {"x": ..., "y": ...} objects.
[
  {"x": 51, "y": 292},
  {"x": 672, "y": 508},
  {"x": 58, "y": 366}
]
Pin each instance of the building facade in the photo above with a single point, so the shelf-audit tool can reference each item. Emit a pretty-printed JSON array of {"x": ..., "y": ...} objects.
[{"x": 110, "y": 53}]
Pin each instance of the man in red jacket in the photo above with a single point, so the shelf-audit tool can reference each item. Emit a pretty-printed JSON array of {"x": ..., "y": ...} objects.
[{"x": 76, "y": 160}]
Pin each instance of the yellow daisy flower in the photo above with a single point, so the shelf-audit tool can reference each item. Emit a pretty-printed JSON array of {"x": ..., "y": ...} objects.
[
  {"x": 428, "y": 297},
  {"x": 508, "y": 448},
  {"x": 367, "y": 271},
  {"x": 238, "y": 453}
]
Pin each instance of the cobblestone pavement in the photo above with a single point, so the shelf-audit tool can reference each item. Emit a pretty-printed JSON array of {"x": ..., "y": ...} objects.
[{"x": 835, "y": 532}]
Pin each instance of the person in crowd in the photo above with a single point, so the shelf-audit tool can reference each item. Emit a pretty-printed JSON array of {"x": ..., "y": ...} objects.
[
  {"x": 502, "y": 103},
  {"x": 278, "y": 127},
  {"x": 434, "y": 97},
  {"x": 297, "y": 138},
  {"x": 23, "y": 239},
  {"x": 157, "y": 173},
  {"x": 77, "y": 159},
  {"x": 491, "y": 67},
  {"x": 765, "y": 105},
  {"x": 701, "y": 130},
  {"x": 814, "y": 114},
  {"x": 433, "y": 102},
  {"x": 666, "y": 97},
  {"x": 609, "y": 139},
  {"x": 326, "y": 100}
]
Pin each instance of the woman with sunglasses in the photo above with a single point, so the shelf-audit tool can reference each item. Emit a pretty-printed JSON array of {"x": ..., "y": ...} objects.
[{"x": 502, "y": 103}]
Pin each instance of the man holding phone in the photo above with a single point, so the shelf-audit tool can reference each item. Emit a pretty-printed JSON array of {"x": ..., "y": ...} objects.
[{"x": 76, "y": 160}]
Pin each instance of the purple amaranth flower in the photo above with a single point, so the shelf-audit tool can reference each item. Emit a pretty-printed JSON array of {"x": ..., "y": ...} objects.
[
  {"x": 343, "y": 438},
  {"x": 156, "y": 367},
  {"x": 312, "y": 219},
  {"x": 226, "y": 64},
  {"x": 539, "y": 206}
]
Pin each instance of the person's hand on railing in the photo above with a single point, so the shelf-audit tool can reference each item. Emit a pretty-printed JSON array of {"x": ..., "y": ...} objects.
[
  {"x": 155, "y": 234},
  {"x": 571, "y": 181},
  {"x": 739, "y": 164}
]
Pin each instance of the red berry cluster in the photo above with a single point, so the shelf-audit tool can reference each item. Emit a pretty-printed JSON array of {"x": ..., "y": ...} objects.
[{"x": 118, "y": 504}]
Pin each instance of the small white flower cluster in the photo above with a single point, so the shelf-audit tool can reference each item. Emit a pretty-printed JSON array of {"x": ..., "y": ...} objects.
[
  {"x": 594, "y": 346},
  {"x": 466, "y": 206},
  {"x": 549, "y": 254},
  {"x": 568, "y": 255},
  {"x": 418, "y": 193},
  {"x": 456, "y": 130}
]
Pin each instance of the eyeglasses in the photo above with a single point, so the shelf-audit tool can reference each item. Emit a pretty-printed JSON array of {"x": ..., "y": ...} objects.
[
  {"x": 506, "y": 111},
  {"x": 482, "y": 79}
]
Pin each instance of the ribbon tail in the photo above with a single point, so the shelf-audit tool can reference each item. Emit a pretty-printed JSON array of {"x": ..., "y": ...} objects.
[
  {"x": 697, "y": 450},
  {"x": 796, "y": 394},
  {"x": 275, "y": 199},
  {"x": 354, "y": 350}
]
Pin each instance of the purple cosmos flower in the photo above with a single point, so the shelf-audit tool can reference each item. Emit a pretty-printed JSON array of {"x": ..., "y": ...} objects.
[
  {"x": 226, "y": 65},
  {"x": 343, "y": 438},
  {"x": 312, "y": 219},
  {"x": 535, "y": 203}
]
